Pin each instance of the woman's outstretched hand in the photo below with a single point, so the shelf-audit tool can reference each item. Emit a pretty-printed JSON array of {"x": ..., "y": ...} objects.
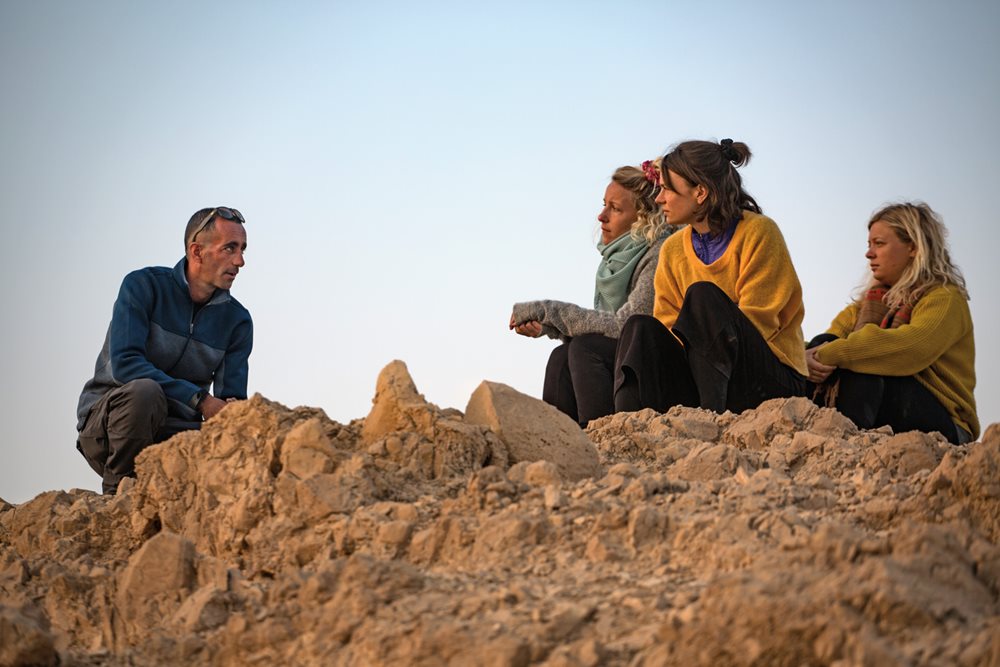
[
  {"x": 531, "y": 328},
  {"x": 818, "y": 371}
]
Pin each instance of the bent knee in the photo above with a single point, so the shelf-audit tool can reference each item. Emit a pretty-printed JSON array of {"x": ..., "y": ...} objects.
[
  {"x": 559, "y": 355},
  {"x": 639, "y": 323},
  {"x": 588, "y": 341},
  {"x": 590, "y": 346},
  {"x": 704, "y": 290},
  {"x": 145, "y": 391},
  {"x": 703, "y": 302}
]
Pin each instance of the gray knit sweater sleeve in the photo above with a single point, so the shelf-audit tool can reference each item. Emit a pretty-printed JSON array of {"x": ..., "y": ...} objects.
[{"x": 565, "y": 320}]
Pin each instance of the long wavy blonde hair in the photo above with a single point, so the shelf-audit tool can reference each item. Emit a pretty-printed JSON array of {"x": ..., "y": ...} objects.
[
  {"x": 650, "y": 224},
  {"x": 931, "y": 266}
]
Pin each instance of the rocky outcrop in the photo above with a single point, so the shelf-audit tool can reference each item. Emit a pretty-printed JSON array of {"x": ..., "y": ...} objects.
[
  {"x": 427, "y": 439},
  {"x": 423, "y": 536}
]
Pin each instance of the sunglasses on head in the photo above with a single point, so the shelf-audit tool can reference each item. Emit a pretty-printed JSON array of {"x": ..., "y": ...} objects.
[{"x": 223, "y": 212}]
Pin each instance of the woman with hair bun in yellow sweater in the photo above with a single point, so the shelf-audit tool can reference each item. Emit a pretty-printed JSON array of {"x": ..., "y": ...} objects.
[
  {"x": 726, "y": 331},
  {"x": 903, "y": 355}
]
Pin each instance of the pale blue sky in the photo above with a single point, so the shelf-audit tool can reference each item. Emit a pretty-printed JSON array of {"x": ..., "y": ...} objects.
[{"x": 409, "y": 170}]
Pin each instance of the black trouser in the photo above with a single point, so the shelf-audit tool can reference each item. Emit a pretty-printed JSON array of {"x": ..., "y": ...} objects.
[
  {"x": 121, "y": 424},
  {"x": 903, "y": 403},
  {"x": 579, "y": 377},
  {"x": 723, "y": 364}
]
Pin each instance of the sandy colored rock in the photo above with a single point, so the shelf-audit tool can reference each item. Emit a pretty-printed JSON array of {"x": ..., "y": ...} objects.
[
  {"x": 422, "y": 436},
  {"x": 24, "y": 642},
  {"x": 783, "y": 535},
  {"x": 533, "y": 430},
  {"x": 538, "y": 473},
  {"x": 307, "y": 450},
  {"x": 397, "y": 405},
  {"x": 710, "y": 461},
  {"x": 157, "y": 579}
]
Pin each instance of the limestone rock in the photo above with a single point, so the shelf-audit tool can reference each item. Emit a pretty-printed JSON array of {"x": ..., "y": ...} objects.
[
  {"x": 708, "y": 461},
  {"x": 159, "y": 576},
  {"x": 533, "y": 430},
  {"x": 24, "y": 642},
  {"x": 397, "y": 405},
  {"x": 783, "y": 535},
  {"x": 307, "y": 450},
  {"x": 537, "y": 473},
  {"x": 419, "y": 435}
]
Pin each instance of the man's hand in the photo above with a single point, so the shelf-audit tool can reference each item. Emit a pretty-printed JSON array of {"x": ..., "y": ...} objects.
[
  {"x": 211, "y": 406},
  {"x": 818, "y": 371}
]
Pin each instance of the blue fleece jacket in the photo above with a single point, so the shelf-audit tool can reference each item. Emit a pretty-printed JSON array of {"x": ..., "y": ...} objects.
[{"x": 155, "y": 333}]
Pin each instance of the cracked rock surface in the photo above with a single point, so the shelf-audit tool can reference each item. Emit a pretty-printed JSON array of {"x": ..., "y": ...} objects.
[{"x": 425, "y": 536}]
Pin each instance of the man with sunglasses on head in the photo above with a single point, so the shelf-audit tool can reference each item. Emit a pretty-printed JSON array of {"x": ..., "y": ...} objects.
[{"x": 174, "y": 333}]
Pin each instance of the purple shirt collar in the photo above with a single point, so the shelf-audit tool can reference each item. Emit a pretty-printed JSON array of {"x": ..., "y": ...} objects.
[{"x": 709, "y": 248}]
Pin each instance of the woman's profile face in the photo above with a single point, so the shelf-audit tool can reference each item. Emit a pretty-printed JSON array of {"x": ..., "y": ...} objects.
[
  {"x": 618, "y": 214},
  {"x": 679, "y": 199},
  {"x": 888, "y": 255}
]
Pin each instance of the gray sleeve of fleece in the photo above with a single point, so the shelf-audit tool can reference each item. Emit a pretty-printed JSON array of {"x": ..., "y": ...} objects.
[{"x": 561, "y": 320}]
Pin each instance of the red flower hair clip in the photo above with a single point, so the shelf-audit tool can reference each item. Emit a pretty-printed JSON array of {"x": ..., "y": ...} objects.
[{"x": 652, "y": 173}]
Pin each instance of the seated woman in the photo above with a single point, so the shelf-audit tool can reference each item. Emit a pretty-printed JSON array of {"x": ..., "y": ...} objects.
[
  {"x": 726, "y": 328},
  {"x": 904, "y": 354},
  {"x": 579, "y": 375}
]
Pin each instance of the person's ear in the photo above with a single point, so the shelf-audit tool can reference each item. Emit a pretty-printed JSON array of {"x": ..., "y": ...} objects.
[
  {"x": 700, "y": 194},
  {"x": 194, "y": 252}
]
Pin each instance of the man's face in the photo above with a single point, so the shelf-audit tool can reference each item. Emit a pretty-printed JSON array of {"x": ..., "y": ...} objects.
[{"x": 221, "y": 254}]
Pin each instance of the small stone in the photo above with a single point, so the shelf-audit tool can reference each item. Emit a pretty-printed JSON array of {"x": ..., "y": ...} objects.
[{"x": 554, "y": 498}]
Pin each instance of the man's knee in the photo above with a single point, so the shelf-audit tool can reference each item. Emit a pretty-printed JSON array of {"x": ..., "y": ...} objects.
[
  {"x": 94, "y": 450},
  {"x": 144, "y": 395},
  {"x": 144, "y": 391},
  {"x": 140, "y": 401}
]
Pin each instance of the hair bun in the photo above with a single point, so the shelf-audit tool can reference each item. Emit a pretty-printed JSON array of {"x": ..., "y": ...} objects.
[
  {"x": 728, "y": 151},
  {"x": 736, "y": 152}
]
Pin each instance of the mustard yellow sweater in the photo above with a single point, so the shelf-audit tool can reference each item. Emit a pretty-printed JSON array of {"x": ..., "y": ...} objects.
[
  {"x": 937, "y": 347},
  {"x": 755, "y": 271}
]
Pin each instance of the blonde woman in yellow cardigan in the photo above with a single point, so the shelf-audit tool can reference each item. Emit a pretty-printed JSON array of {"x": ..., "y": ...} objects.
[
  {"x": 726, "y": 329},
  {"x": 904, "y": 354}
]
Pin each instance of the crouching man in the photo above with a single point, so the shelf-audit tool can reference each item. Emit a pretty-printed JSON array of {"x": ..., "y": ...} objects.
[{"x": 173, "y": 334}]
